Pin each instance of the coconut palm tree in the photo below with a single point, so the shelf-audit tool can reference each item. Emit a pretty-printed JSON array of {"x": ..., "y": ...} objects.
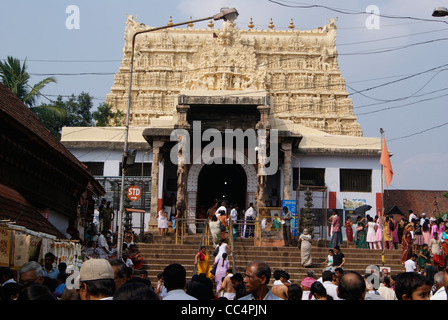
[{"x": 15, "y": 77}]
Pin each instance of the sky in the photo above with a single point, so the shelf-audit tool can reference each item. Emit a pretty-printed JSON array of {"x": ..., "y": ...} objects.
[{"x": 392, "y": 54}]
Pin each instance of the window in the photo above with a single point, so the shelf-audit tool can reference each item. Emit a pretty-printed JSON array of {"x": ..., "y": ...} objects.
[
  {"x": 309, "y": 177},
  {"x": 95, "y": 168},
  {"x": 355, "y": 180},
  {"x": 136, "y": 170}
]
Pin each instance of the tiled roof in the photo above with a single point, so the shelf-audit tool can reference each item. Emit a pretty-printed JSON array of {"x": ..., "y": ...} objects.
[
  {"x": 11, "y": 106},
  {"x": 418, "y": 201},
  {"x": 15, "y": 208}
]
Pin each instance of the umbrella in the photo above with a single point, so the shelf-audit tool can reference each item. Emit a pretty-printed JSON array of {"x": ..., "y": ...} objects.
[{"x": 361, "y": 211}]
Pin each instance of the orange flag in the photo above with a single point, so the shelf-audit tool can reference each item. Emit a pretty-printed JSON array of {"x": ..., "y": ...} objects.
[{"x": 385, "y": 161}]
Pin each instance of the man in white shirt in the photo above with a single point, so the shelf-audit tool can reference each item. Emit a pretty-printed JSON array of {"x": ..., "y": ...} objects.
[
  {"x": 222, "y": 207},
  {"x": 412, "y": 215},
  {"x": 385, "y": 292},
  {"x": 6, "y": 276},
  {"x": 440, "y": 293},
  {"x": 410, "y": 265},
  {"x": 249, "y": 216},
  {"x": 103, "y": 246},
  {"x": 234, "y": 218},
  {"x": 327, "y": 277},
  {"x": 174, "y": 278}
]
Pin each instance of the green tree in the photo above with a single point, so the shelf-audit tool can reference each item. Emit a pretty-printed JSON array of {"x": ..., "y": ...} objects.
[
  {"x": 15, "y": 76},
  {"x": 105, "y": 116},
  {"x": 77, "y": 113}
]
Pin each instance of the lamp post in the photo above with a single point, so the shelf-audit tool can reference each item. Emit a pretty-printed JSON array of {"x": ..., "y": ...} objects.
[
  {"x": 225, "y": 14},
  {"x": 440, "y": 12}
]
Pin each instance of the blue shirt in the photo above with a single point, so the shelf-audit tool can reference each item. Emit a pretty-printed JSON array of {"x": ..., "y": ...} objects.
[{"x": 53, "y": 274}]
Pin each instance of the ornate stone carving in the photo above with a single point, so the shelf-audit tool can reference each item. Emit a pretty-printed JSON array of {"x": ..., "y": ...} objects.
[{"x": 298, "y": 69}]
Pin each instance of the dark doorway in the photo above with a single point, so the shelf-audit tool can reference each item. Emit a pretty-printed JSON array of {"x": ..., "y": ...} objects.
[{"x": 225, "y": 182}]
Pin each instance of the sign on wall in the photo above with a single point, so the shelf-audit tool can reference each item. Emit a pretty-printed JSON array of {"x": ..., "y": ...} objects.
[
  {"x": 292, "y": 207},
  {"x": 134, "y": 193}
]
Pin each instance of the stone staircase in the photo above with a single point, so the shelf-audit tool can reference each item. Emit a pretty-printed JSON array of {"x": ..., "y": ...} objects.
[{"x": 162, "y": 251}]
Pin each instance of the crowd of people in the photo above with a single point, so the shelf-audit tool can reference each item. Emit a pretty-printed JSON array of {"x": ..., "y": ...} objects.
[
  {"x": 109, "y": 279},
  {"x": 104, "y": 276}
]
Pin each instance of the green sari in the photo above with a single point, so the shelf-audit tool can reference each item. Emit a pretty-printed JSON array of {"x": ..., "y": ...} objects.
[
  {"x": 361, "y": 237},
  {"x": 422, "y": 260}
]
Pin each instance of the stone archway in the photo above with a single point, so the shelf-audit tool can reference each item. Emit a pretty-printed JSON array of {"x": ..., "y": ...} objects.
[{"x": 192, "y": 187}]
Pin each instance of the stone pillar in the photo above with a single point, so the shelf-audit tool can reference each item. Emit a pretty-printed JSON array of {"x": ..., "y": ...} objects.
[
  {"x": 156, "y": 146},
  {"x": 287, "y": 170},
  {"x": 182, "y": 123},
  {"x": 263, "y": 146}
]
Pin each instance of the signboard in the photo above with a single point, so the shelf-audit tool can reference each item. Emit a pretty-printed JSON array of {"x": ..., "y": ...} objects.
[
  {"x": 45, "y": 213},
  {"x": 134, "y": 193},
  {"x": 292, "y": 207}
]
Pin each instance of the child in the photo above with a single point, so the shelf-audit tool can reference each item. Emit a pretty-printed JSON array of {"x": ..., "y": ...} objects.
[
  {"x": 412, "y": 286},
  {"x": 329, "y": 260}
]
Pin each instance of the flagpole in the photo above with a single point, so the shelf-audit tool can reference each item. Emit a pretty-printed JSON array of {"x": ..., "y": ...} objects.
[{"x": 382, "y": 200}]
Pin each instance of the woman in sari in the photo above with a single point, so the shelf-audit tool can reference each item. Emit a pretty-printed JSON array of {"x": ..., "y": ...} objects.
[
  {"x": 423, "y": 256},
  {"x": 202, "y": 263},
  {"x": 305, "y": 248},
  {"x": 348, "y": 229},
  {"x": 215, "y": 230},
  {"x": 361, "y": 234},
  {"x": 221, "y": 270},
  {"x": 444, "y": 239},
  {"x": 406, "y": 243}
]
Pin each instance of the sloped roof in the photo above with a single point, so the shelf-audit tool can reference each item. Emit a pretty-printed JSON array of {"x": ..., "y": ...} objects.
[
  {"x": 418, "y": 201},
  {"x": 15, "y": 208},
  {"x": 25, "y": 120}
]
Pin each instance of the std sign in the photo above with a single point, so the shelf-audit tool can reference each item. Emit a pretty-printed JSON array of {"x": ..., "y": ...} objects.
[{"x": 134, "y": 193}]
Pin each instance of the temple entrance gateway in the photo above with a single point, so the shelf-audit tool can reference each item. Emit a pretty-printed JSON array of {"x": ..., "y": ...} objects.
[{"x": 224, "y": 182}]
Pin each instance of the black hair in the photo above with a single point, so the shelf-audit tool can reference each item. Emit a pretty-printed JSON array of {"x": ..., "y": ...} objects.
[
  {"x": 122, "y": 271},
  {"x": 327, "y": 275},
  {"x": 295, "y": 292},
  {"x": 135, "y": 290},
  {"x": 276, "y": 274},
  {"x": 100, "y": 287},
  {"x": 238, "y": 277},
  {"x": 36, "y": 292},
  {"x": 319, "y": 289},
  {"x": 407, "y": 282},
  {"x": 174, "y": 276},
  {"x": 200, "y": 289},
  {"x": 262, "y": 270}
]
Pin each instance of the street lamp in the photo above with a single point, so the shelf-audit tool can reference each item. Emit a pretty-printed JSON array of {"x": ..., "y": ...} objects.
[
  {"x": 225, "y": 14},
  {"x": 440, "y": 12}
]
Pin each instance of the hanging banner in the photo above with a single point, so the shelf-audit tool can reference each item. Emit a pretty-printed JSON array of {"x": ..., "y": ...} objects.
[
  {"x": 5, "y": 245},
  {"x": 34, "y": 249},
  {"x": 21, "y": 248}
]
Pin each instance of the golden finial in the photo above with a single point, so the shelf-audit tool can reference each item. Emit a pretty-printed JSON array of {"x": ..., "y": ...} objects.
[
  {"x": 291, "y": 25},
  {"x": 271, "y": 25},
  {"x": 251, "y": 24},
  {"x": 170, "y": 23},
  {"x": 211, "y": 24},
  {"x": 190, "y": 25}
]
